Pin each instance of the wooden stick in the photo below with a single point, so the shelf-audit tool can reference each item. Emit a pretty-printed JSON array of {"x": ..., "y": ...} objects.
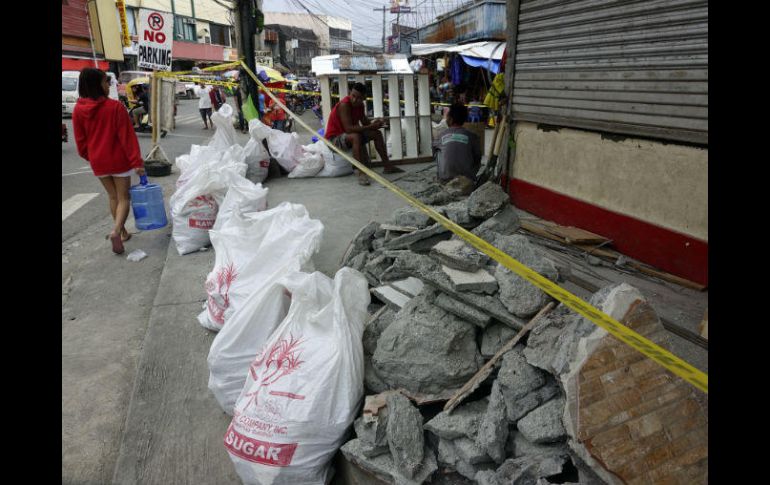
[{"x": 484, "y": 372}]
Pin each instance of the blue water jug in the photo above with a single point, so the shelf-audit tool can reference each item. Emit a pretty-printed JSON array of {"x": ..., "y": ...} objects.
[{"x": 147, "y": 203}]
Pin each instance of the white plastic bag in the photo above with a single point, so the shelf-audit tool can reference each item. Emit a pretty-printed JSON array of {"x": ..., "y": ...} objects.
[
  {"x": 259, "y": 130},
  {"x": 224, "y": 136},
  {"x": 243, "y": 196},
  {"x": 303, "y": 389},
  {"x": 285, "y": 148},
  {"x": 252, "y": 249},
  {"x": 257, "y": 160},
  {"x": 336, "y": 167},
  {"x": 310, "y": 163}
]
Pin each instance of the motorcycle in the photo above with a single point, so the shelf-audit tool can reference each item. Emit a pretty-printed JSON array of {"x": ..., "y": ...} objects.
[{"x": 144, "y": 123}]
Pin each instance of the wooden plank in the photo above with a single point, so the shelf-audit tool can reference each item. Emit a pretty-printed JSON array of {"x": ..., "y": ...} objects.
[
  {"x": 575, "y": 235},
  {"x": 484, "y": 372},
  {"x": 395, "y": 228}
]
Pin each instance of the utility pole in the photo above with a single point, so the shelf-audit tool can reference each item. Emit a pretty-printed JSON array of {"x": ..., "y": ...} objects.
[
  {"x": 384, "y": 8},
  {"x": 247, "y": 15}
]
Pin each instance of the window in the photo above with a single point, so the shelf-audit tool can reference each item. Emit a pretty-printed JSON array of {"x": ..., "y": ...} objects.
[
  {"x": 131, "y": 20},
  {"x": 220, "y": 34},
  {"x": 184, "y": 28}
]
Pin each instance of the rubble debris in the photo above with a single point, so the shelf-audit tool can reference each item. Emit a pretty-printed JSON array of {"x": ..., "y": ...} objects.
[
  {"x": 391, "y": 297},
  {"x": 426, "y": 349},
  {"x": 470, "y": 452},
  {"x": 358, "y": 261},
  {"x": 459, "y": 255},
  {"x": 373, "y": 435},
  {"x": 504, "y": 222},
  {"x": 529, "y": 469},
  {"x": 518, "y": 445},
  {"x": 448, "y": 455},
  {"x": 519, "y": 408},
  {"x": 487, "y": 477},
  {"x": 544, "y": 424},
  {"x": 486, "y": 200},
  {"x": 393, "y": 228},
  {"x": 459, "y": 186},
  {"x": 463, "y": 422},
  {"x": 425, "y": 245},
  {"x": 372, "y": 380},
  {"x": 362, "y": 241},
  {"x": 411, "y": 286},
  {"x": 462, "y": 310},
  {"x": 374, "y": 327},
  {"x": 383, "y": 466},
  {"x": 493, "y": 338},
  {"x": 405, "y": 434},
  {"x": 410, "y": 216},
  {"x": 493, "y": 429},
  {"x": 406, "y": 240},
  {"x": 375, "y": 267},
  {"x": 479, "y": 281},
  {"x": 457, "y": 212}
]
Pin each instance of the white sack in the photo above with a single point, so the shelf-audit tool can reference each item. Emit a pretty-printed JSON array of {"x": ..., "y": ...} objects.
[
  {"x": 303, "y": 389},
  {"x": 252, "y": 249},
  {"x": 257, "y": 160},
  {"x": 285, "y": 148},
  {"x": 309, "y": 164},
  {"x": 224, "y": 136},
  {"x": 336, "y": 167},
  {"x": 259, "y": 130},
  {"x": 244, "y": 196}
]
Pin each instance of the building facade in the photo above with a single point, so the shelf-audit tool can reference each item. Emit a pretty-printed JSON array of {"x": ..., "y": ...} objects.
[
  {"x": 76, "y": 47},
  {"x": 292, "y": 47},
  {"x": 333, "y": 34},
  {"x": 203, "y": 32}
]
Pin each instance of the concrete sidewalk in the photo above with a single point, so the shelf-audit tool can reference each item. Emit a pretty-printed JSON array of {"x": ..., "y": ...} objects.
[{"x": 175, "y": 428}]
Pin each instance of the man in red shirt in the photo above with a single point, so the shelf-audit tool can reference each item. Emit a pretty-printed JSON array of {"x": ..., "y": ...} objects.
[{"x": 348, "y": 127}]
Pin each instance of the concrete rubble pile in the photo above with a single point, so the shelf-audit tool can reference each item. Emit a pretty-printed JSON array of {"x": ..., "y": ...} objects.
[{"x": 448, "y": 309}]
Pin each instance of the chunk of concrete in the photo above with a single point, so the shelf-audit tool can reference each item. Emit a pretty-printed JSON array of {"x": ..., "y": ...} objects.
[
  {"x": 383, "y": 466},
  {"x": 460, "y": 186},
  {"x": 517, "y": 379},
  {"x": 405, "y": 434},
  {"x": 462, "y": 310},
  {"x": 462, "y": 422},
  {"x": 375, "y": 267},
  {"x": 544, "y": 424},
  {"x": 391, "y": 297},
  {"x": 410, "y": 286},
  {"x": 523, "y": 405},
  {"x": 426, "y": 349},
  {"x": 477, "y": 281},
  {"x": 425, "y": 245},
  {"x": 372, "y": 380},
  {"x": 486, "y": 200},
  {"x": 493, "y": 429},
  {"x": 362, "y": 241},
  {"x": 448, "y": 455},
  {"x": 519, "y": 296},
  {"x": 459, "y": 255},
  {"x": 517, "y": 445},
  {"x": 494, "y": 337},
  {"x": 373, "y": 435},
  {"x": 405, "y": 240},
  {"x": 358, "y": 262},
  {"x": 504, "y": 222},
  {"x": 374, "y": 327},
  {"x": 457, "y": 212},
  {"x": 470, "y": 452},
  {"x": 409, "y": 216},
  {"x": 429, "y": 271},
  {"x": 487, "y": 477},
  {"x": 529, "y": 469}
]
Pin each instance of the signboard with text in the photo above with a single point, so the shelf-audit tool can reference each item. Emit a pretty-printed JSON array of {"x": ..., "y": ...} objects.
[{"x": 155, "y": 39}]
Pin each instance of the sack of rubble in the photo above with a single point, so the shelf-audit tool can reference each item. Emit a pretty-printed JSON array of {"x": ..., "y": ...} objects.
[
  {"x": 257, "y": 157},
  {"x": 285, "y": 148},
  {"x": 305, "y": 385},
  {"x": 188, "y": 162},
  {"x": 242, "y": 195},
  {"x": 336, "y": 166},
  {"x": 224, "y": 135},
  {"x": 252, "y": 250},
  {"x": 195, "y": 203},
  {"x": 311, "y": 162}
]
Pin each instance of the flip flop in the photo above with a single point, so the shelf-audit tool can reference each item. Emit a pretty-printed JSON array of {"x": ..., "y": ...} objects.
[
  {"x": 126, "y": 239},
  {"x": 117, "y": 244},
  {"x": 393, "y": 169}
]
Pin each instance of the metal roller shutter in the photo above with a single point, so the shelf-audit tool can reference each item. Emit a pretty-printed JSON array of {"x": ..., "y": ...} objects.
[{"x": 630, "y": 67}]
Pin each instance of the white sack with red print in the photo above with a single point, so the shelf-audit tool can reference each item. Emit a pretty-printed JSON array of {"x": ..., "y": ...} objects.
[
  {"x": 304, "y": 388},
  {"x": 195, "y": 203},
  {"x": 253, "y": 249},
  {"x": 224, "y": 136},
  {"x": 285, "y": 148},
  {"x": 242, "y": 196}
]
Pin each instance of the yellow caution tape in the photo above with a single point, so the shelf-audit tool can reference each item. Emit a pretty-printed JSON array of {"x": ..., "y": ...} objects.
[{"x": 648, "y": 348}]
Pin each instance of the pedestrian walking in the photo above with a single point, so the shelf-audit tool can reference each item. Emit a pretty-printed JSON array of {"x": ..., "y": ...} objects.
[
  {"x": 204, "y": 103},
  {"x": 105, "y": 137}
]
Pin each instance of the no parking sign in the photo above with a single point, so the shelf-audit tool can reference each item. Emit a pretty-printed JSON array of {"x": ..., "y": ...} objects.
[{"x": 155, "y": 39}]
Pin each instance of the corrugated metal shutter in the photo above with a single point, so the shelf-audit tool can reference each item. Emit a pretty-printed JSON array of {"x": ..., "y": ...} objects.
[{"x": 630, "y": 67}]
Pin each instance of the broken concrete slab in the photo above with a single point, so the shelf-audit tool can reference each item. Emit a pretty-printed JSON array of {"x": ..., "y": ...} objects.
[
  {"x": 460, "y": 186},
  {"x": 459, "y": 255},
  {"x": 470, "y": 452},
  {"x": 517, "y": 445},
  {"x": 409, "y": 216},
  {"x": 479, "y": 281},
  {"x": 520, "y": 407},
  {"x": 358, "y": 262},
  {"x": 373, "y": 436},
  {"x": 391, "y": 297},
  {"x": 425, "y": 245},
  {"x": 504, "y": 222},
  {"x": 448, "y": 455},
  {"x": 493, "y": 429},
  {"x": 372, "y": 380},
  {"x": 434, "y": 194},
  {"x": 405, "y": 435},
  {"x": 544, "y": 424},
  {"x": 411, "y": 286},
  {"x": 362, "y": 241},
  {"x": 383, "y": 466},
  {"x": 461, "y": 422},
  {"x": 530, "y": 469},
  {"x": 494, "y": 337},
  {"x": 457, "y": 212},
  {"x": 426, "y": 349},
  {"x": 517, "y": 379},
  {"x": 486, "y": 200},
  {"x": 518, "y": 295},
  {"x": 375, "y": 267},
  {"x": 404, "y": 241},
  {"x": 487, "y": 477},
  {"x": 429, "y": 271},
  {"x": 462, "y": 310},
  {"x": 374, "y": 327},
  {"x": 395, "y": 228}
]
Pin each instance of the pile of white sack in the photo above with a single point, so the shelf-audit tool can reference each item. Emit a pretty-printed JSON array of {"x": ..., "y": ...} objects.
[{"x": 287, "y": 362}]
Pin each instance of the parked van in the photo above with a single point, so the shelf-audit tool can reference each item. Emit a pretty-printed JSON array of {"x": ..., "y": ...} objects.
[{"x": 69, "y": 90}]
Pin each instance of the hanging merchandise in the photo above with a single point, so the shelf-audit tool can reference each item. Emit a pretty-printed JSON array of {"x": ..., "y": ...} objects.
[
  {"x": 456, "y": 70},
  {"x": 496, "y": 91}
]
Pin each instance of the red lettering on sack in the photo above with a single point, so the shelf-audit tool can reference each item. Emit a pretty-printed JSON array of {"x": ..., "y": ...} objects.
[
  {"x": 201, "y": 223},
  {"x": 256, "y": 451},
  {"x": 264, "y": 163},
  {"x": 290, "y": 395}
]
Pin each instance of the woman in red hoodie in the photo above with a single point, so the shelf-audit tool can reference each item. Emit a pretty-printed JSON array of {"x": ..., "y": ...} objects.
[{"x": 105, "y": 137}]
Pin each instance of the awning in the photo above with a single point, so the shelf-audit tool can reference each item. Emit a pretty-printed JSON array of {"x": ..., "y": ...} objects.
[
  {"x": 488, "y": 64},
  {"x": 74, "y": 64},
  {"x": 483, "y": 50}
]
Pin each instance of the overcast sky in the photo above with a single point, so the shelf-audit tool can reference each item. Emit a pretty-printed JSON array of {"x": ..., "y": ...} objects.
[{"x": 367, "y": 23}]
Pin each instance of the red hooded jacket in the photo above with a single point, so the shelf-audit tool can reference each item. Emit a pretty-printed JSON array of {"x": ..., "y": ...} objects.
[{"x": 104, "y": 135}]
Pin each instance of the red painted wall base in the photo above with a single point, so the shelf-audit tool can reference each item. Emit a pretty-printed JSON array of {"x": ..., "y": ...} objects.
[{"x": 673, "y": 252}]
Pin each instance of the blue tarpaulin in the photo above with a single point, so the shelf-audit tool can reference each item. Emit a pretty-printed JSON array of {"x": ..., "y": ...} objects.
[{"x": 489, "y": 64}]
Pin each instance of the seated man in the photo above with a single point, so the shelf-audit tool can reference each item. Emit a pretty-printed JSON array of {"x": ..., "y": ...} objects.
[
  {"x": 458, "y": 151},
  {"x": 348, "y": 127},
  {"x": 142, "y": 103}
]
